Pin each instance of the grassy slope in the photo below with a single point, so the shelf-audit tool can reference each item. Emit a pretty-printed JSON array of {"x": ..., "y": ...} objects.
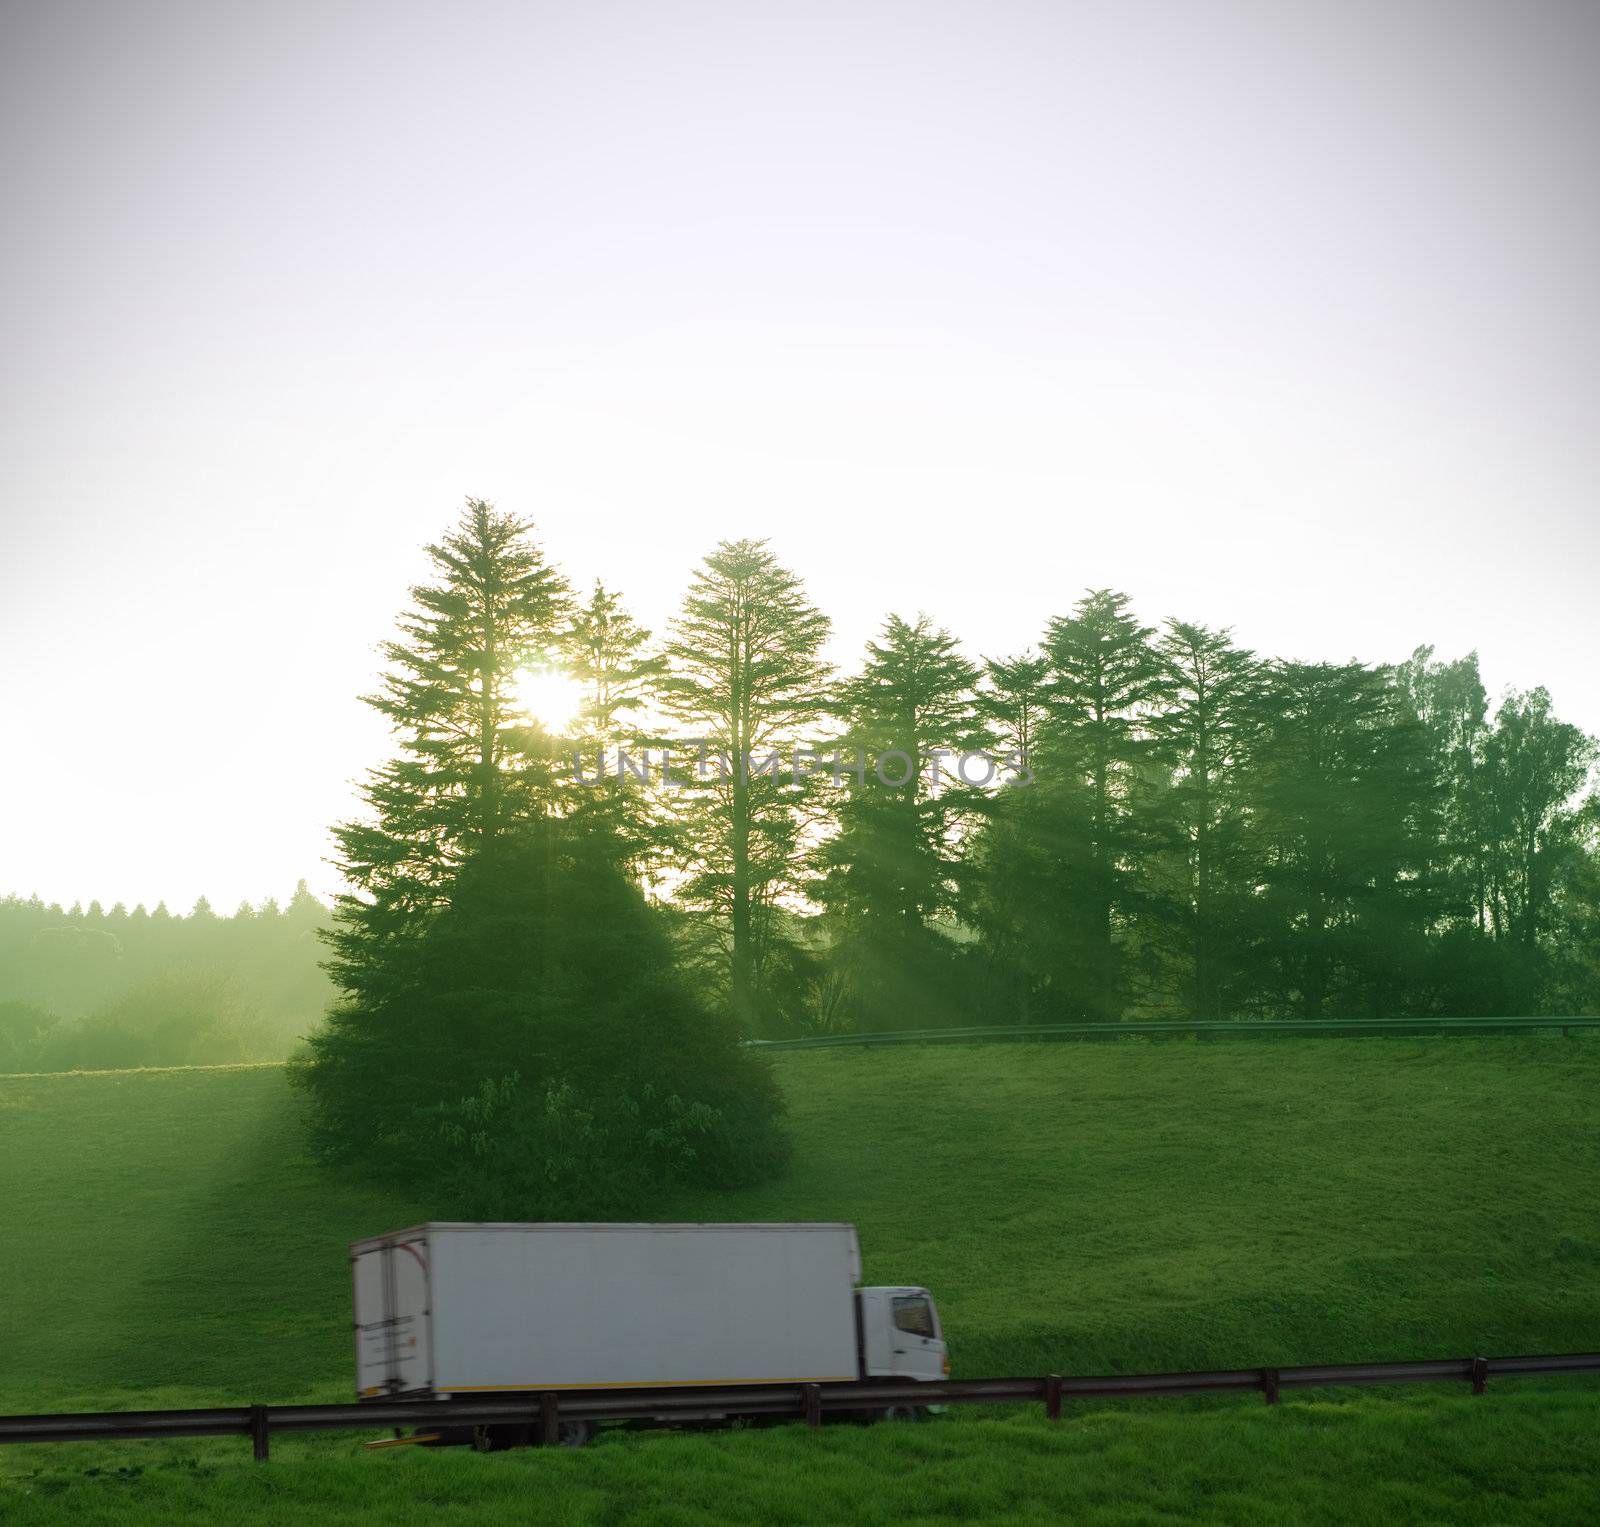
[
  {"x": 166, "y": 1232},
  {"x": 1077, "y": 1208}
]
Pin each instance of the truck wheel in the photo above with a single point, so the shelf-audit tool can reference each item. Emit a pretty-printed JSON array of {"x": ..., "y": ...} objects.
[
  {"x": 574, "y": 1433},
  {"x": 898, "y": 1413}
]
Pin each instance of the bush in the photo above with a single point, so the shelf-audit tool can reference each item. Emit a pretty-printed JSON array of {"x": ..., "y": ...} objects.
[
  {"x": 24, "y": 1030},
  {"x": 512, "y": 1152},
  {"x": 184, "y": 1017},
  {"x": 536, "y": 1047}
]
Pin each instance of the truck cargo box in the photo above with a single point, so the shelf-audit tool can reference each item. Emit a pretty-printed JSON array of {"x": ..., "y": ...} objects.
[{"x": 445, "y": 1309}]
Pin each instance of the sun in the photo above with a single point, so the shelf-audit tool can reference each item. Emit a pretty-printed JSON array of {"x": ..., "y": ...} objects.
[{"x": 548, "y": 696}]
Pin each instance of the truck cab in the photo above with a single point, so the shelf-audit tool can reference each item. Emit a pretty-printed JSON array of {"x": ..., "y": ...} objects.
[{"x": 900, "y": 1336}]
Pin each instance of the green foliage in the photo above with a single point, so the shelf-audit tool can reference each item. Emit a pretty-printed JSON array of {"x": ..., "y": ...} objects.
[
  {"x": 547, "y": 964},
  {"x": 1348, "y": 802},
  {"x": 1449, "y": 702},
  {"x": 509, "y": 1151},
  {"x": 512, "y": 1028},
  {"x": 889, "y": 875},
  {"x": 1535, "y": 767},
  {"x": 1065, "y": 875},
  {"x": 1213, "y": 834},
  {"x": 1572, "y": 964},
  {"x": 1209, "y": 728},
  {"x": 183, "y": 1017},
  {"x": 24, "y": 1029},
  {"x": 611, "y": 654},
  {"x": 131, "y": 988},
  {"x": 1013, "y": 701},
  {"x": 1200, "y": 830},
  {"x": 1104, "y": 674},
  {"x": 469, "y": 765},
  {"x": 613, "y": 657},
  {"x": 749, "y": 682}
]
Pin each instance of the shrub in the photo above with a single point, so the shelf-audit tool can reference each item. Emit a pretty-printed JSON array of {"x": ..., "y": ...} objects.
[
  {"x": 24, "y": 1030},
  {"x": 182, "y": 1017},
  {"x": 536, "y": 1045}
]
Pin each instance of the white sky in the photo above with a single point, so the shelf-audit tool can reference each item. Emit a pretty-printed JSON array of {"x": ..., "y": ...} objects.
[{"x": 1276, "y": 315}]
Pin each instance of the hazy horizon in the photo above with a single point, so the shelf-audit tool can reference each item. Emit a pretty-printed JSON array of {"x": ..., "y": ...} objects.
[{"x": 1276, "y": 316}]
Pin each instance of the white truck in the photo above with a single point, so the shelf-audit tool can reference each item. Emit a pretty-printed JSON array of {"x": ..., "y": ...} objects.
[{"x": 474, "y": 1310}]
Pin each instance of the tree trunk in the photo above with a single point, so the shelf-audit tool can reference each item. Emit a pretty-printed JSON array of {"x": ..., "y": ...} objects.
[
  {"x": 1103, "y": 1004},
  {"x": 1204, "y": 981},
  {"x": 488, "y": 772},
  {"x": 741, "y": 972}
]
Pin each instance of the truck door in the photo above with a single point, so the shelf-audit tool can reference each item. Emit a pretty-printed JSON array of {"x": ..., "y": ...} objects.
[{"x": 393, "y": 1348}]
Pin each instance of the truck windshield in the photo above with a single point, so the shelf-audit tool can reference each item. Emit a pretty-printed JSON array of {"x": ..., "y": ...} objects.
[{"x": 913, "y": 1313}]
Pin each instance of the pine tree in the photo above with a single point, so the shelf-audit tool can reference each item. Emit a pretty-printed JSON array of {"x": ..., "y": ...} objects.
[
  {"x": 303, "y": 907},
  {"x": 892, "y": 867},
  {"x": 493, "y": 945},
  {"x": 469, "y": 766},
  {"x": 614, "y": 659},
  {"x": 611, "y": 655},
  {"x": 748, "y": 683},
  {"x": 1013, "y": 701},
  {"x": 1206, "y": 723},
  {"x": 546, "y": 976},
  {"x": 1105, "y": 677},
  {"x": 1009, "y": 867}
]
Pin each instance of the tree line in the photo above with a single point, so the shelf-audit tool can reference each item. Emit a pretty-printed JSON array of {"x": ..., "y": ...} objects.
[
  {"x": 1192, "y": 827},
  {"x": 94, "y": 987},
  {"x": 1202, "y": 830}
]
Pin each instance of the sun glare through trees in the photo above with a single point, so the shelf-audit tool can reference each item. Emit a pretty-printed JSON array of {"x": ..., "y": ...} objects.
[{"x": 548, "y": 696}]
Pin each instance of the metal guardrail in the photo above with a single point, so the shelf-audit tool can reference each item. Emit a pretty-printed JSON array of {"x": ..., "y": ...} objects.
[
  {"x": 544, "y": 1412},
  {"x": 1204, "y": 1028}
]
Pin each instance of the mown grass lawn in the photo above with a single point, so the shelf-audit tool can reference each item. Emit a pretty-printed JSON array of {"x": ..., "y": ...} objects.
[{"x": 1075, "y": 1208}]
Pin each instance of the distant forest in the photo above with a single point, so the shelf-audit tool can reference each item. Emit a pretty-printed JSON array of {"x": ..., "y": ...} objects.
[
  {"x": 1187, "y": 827},
  {"x": 91, "y": 987}
]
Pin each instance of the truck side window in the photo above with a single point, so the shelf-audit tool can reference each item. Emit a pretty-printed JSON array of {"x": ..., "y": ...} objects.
[{"x": 911, "y": 1313}]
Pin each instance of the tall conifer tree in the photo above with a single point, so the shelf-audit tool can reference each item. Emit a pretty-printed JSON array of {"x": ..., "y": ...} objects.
[
  {"x": 1207, "y": 720},
  {"x": 1105, "y": 678},
  {"x": 469, "y": 765},
  {"x": 613, "y": 657},
  {"x": 748, "y": 680},
  {"x": 892, "y": 868}
]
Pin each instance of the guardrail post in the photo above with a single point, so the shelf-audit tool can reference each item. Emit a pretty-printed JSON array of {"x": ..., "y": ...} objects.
[
  {"x": 1480, "y": 1374},
  {"x": 549, "y": 1419},
  {"x": 258, "y": 1432},
  {"x": 1052, "y": 1397},
  {"x": 1269, "y": 1384},
  {"x": 811, "y": 1396}
]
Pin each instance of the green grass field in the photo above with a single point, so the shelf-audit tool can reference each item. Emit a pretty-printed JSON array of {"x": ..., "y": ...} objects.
[{"x": 1082, "y": 1208}]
